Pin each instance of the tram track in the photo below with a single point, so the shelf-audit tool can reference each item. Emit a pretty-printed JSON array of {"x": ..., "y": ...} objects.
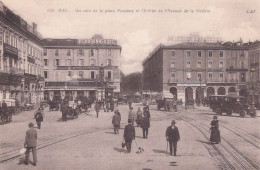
[
  {"x": 234, "y": 158},
  {"x": 10, "y": 155},
  {"x": 242, "y": 134}
]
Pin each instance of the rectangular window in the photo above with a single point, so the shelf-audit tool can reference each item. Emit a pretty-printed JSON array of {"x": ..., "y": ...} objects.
[
  {"x": 56, "y": 62},
  {"x": 188, "y": 75},
  {"x": 199, "y": 64},
  {"x": 81, "y": 74},
  {"x": 220, "y": 76},
  {"x": 172, "y": 76},
  {"x": 173, "y": 53},
  {"x": 56, "y": 52},
  {"x": 45, "y": 52},
  {"x": 46, "y": 62},
  {"x": 81, "y": 52},
  {"x": 221, "y": 54},
  {"x": 109, "y": 61},
  {"x": 210, "y": 64},
  {"x": 172, "y": 64},
  {"x": 199, "y": 76},
  {"x": 210, "y": 53},
  {"x": 109, "y": 52},
  {"x": 69, "y": 73},
  {"x": 92, "y": 74},
  {"x": 221, "y": 64},
  {"x": 199, "y": 53},
  {"x": 91, "y": 52},
  {"x": 68, "y": 62},
  {"x": 68, "y": 52},
  {"x": 80, "y": 62},
  {"x": 109, "y": 76},
  {"x": 188, "y": 54},
  {"x": 188, "y": 64},
  {"x": 46, "y": 74},
  {"x": 210, "y": 76}
]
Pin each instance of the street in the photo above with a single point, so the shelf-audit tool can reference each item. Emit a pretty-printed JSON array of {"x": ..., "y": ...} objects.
[{"x": 90, "y": 143}]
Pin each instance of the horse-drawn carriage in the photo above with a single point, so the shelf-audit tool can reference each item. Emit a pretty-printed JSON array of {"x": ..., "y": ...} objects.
[
  {"x": 6, "y": 112},
  {"x": 54, "y": 105},
  {"x": 69, "y": 110},
  {"x": 166, "y": 101}
]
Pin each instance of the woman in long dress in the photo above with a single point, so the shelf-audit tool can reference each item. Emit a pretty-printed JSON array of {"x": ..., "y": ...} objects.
[{"x": 215, "y": 133}]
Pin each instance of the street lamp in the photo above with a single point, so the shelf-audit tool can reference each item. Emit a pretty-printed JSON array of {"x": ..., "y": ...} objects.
[
  {"x": 200, "y": 91},
  {"x": 252, "y": 87}
]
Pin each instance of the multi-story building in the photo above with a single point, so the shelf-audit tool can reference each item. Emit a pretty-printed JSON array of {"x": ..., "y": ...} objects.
[
  {"x": 254, "y": 65},
  {"x": 21, "y": 59},
  {"x": 194, "y": 70},
  {"x": 74, "y": 67}
]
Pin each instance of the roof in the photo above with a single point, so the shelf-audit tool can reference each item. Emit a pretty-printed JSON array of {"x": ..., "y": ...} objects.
[
  {"x": 200, "y": 46},
  {"x": 60, "y": 42}
]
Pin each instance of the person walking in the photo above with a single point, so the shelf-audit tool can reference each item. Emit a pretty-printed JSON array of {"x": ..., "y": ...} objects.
[
  {"x": 97, "y": 108},
  {"x": 39, "y": 118},
  {"x": 145, "y": 124},
  {"x": 131, "y": 115},
  {"x": 116, "y": 123},
  {"x": 139, "y": 116},
  {"x": 129, "y": 135},
  {"x": 215, "y": 133},
  {"x": 172, "y": 136},
  {"x": 30, "y": 144}
]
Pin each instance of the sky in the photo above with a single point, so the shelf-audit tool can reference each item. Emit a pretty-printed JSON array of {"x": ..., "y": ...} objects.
[{"x": 140, "y": 32}]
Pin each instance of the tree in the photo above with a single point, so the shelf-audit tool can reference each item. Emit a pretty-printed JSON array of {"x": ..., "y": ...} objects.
[{"x": 131, "y": 82}]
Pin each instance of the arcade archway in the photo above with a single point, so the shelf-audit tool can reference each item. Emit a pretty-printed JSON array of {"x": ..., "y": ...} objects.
[
  {"x": 188, "y": 94},
  {"x": 221, "y": 91},
  {"x": 243, "y": 92},
  {"x": 173, "y": 91},
  {"x": 210, "y": 91},
  {"x": 232, "y": 90}
]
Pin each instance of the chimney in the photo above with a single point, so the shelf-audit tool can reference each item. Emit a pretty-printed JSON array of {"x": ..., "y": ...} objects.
[{"x": 34, "y": 27}]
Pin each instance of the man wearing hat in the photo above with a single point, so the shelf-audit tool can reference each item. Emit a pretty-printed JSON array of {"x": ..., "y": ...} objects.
[
  {"x": 30, "y": 144},
  {"x": 129, "y": 135},
  {"x": 172, "y": 136}
]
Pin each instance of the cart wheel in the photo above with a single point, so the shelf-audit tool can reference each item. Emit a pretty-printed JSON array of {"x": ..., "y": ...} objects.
[
  {"x": 219, "y": 111},
  {"x": 242, "y": 113},
  {"x": 229, "y": 113},
  {"x": 253, "y": 114}
]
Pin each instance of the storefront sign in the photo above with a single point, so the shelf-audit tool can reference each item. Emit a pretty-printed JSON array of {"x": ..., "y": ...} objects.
[
  {"x": 190, "y": 85},
  {"x": 97, "y": 42},
  {"x": 82, "y": 67}
]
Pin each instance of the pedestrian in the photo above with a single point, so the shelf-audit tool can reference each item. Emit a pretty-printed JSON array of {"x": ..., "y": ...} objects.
[
  {"x": 30, "y": 144},
  {"x": 145, "y": 124},
  {"x": 172, "y": 136},
  {"x": 147, "y": 112},
  {"x": 130, "y": 103},
  {"x": 116, "y": 123},
  {"x": 97, "y": 108},
  {"x": 39, "y": 118},
  {"x": 4, "y": 106},
  {"x": 215, "y": 133},
  {"x": 119, "y": 114},
  {"x": 131, "y": 115},
  {"x": 139, "y": 115},
  {"x": 129, "y": 135}
]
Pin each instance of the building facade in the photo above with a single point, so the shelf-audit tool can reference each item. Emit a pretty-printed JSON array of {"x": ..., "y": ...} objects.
[
  {"x": 74, "y": 67},
  {"x": 21, "y": 59},
  {"x": 254, "y": 83},
  {"x": 194, "y": 70}
]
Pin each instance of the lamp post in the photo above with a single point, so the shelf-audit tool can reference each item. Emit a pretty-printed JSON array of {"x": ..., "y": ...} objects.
[
  {"x": 252, "y": 87},
  {"x": 200, "y": 91}
]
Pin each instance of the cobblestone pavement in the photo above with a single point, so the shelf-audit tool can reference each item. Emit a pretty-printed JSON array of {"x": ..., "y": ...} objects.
[{"x": 89, "y": 143}]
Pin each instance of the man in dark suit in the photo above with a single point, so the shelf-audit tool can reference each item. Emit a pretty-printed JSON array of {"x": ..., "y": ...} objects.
[
  {"x": 129, "y": 135},
  {"x": 30, "y": 144},
  {"x": 173, "y": 136}
]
